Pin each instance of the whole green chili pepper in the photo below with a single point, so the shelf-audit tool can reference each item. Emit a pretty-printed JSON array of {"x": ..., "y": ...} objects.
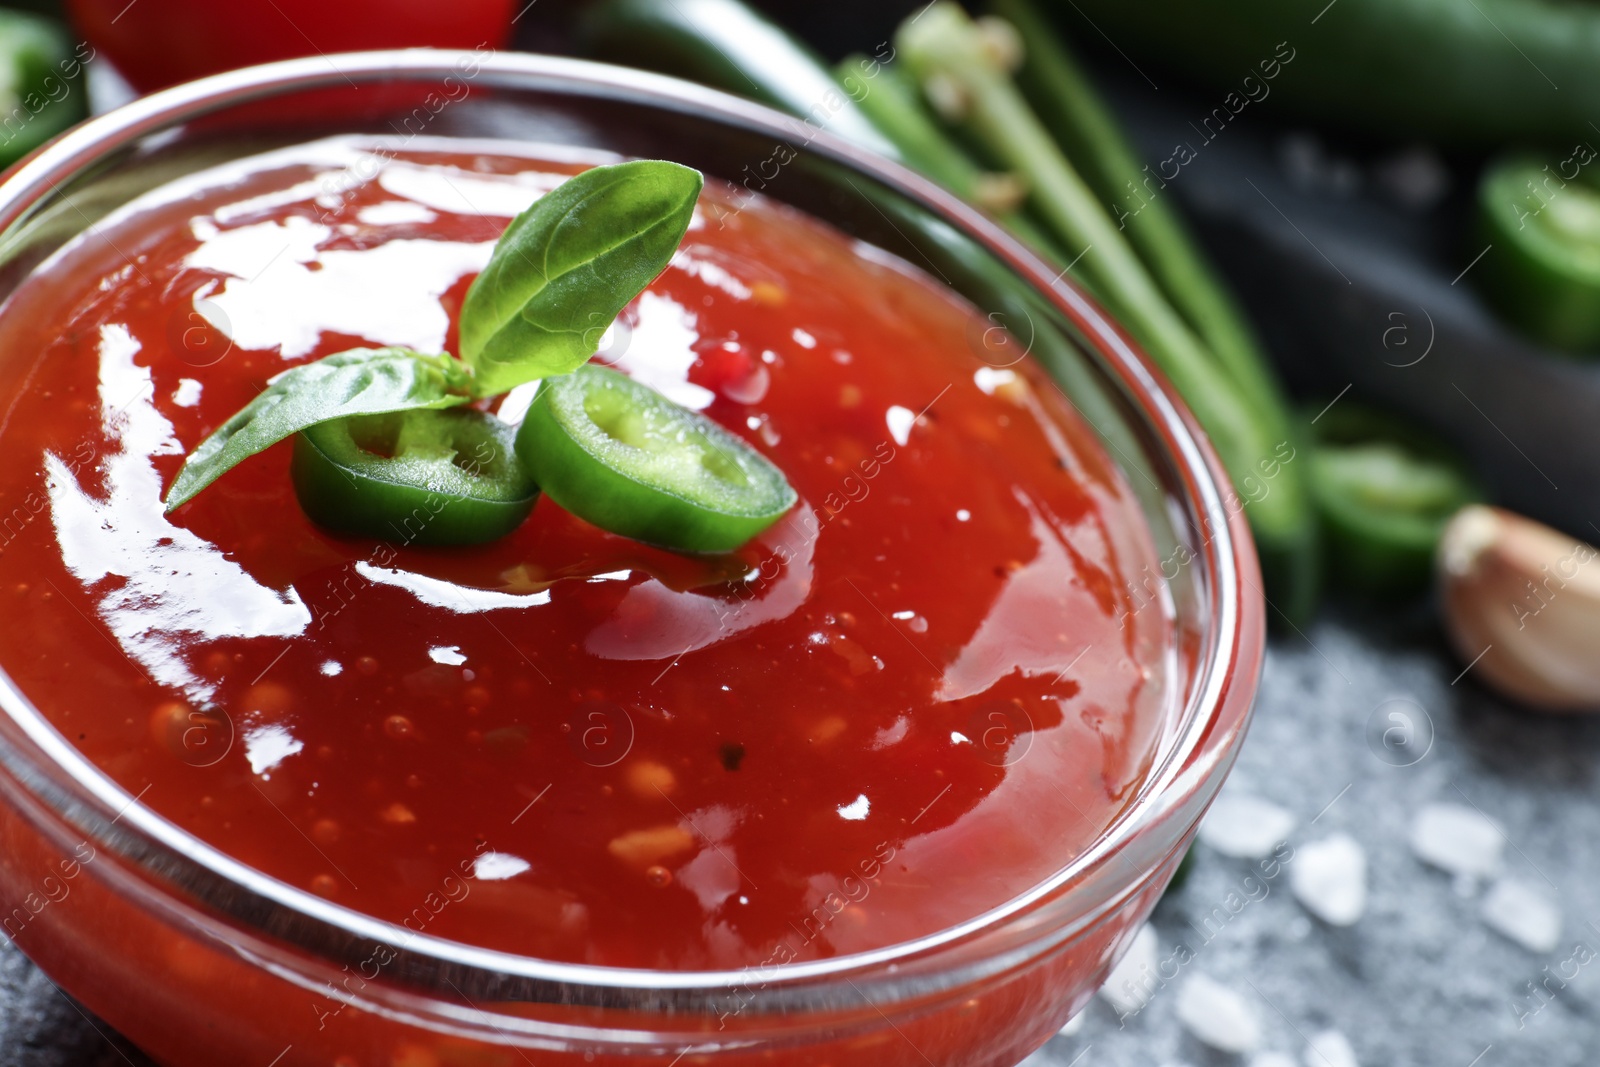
[
  {"x": 1465, "y": 71},
  {"x": 725, "y": 44}
]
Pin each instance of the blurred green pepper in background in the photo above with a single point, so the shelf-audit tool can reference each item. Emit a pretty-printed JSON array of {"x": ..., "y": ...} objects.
[
  {"x": 1480, "y": 72},
  {"x": 1384, "y": 490},
  {"x": 1541, "y": 221},
  {"x": 41, "y": 82}
]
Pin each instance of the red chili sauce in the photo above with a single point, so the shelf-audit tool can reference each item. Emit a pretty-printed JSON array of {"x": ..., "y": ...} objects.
[{"x": 927, "y": 688}]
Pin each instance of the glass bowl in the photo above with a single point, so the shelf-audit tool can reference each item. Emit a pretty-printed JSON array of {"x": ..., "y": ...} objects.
[{"x": 201, "y": 960}]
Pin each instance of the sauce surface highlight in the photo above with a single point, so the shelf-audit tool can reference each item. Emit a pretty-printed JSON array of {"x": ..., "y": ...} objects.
[{"x": 927, "y": 688}]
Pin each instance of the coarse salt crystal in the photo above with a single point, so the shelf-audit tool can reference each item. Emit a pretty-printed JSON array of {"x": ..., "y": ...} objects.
[
  {"x": 1218, "y": 1016},
  {"x": 1245, "y": 827},
  {"x": 1330, "y": 1049},
  {"x": 1272, "y": 1059},
  {"x": 1329, "y": 877},
  {"x": 1457, "y": 839},
  {"x": 1133, "y": 980},
  {"x": 1524, "y": 913}
]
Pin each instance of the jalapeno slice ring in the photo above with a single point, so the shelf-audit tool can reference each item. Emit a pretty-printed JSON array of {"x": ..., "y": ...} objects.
[
  {"x": 623, "y": 457},
  {"x": 1543, "y": 272},
  {"x": 1385, "y": 490},
  {"x": 428, "y": 477}
]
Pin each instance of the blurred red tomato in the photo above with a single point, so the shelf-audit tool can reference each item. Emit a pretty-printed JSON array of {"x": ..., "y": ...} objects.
[{"x": 155, "y": 43}]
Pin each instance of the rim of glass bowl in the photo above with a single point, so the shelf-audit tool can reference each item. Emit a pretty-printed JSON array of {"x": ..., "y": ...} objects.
[{"x": 1232, "y": 619}]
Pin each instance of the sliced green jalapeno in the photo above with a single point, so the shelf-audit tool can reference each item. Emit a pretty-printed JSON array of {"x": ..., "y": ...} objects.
[
  {"x": 621, "y": 456},
  {"x": 430, "y": 477},
  {"x": 1543, "y": 268},
  {"x": 1384, "y": 490}
]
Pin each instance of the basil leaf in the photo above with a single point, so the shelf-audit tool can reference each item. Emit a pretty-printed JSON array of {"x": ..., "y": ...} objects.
[
  {"x": 565, "y": 268},
  {"x": 362, "y": 381}
]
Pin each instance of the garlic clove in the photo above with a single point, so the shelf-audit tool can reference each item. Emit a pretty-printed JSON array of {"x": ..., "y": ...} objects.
[{"x": 1522, "y": 604}]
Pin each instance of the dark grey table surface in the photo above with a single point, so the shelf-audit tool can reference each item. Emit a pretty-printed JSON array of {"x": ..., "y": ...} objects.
[{"x": 1323, "y": 251}]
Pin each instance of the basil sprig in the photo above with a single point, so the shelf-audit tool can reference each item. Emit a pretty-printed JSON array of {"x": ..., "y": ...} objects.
[{"x": 557, "y": 279}]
